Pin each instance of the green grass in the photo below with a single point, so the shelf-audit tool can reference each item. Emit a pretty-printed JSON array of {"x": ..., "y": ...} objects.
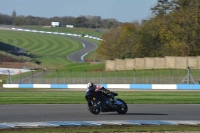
[
  {"x": 60, "y": 96},
  {"x": 83, "y": 66},
  {"x": 92, "y": 55},
  {"x": 106, "y": 129},
  {"x": 3, "y": 80},
  {"x": 51, "y": 50}
]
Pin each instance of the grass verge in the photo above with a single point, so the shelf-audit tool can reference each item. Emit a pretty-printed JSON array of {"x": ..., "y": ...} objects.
[{"x": 63, "y": 96}]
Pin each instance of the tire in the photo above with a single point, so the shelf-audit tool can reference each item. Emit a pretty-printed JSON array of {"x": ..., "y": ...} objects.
[
  {"x": 123, "y": 108},
  {"x": 92, "y": 108}
]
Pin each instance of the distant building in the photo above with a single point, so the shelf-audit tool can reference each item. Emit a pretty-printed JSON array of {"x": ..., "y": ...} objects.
[
  {"x": 69, "y": 26},
  {"x": 55, "y": 24}
]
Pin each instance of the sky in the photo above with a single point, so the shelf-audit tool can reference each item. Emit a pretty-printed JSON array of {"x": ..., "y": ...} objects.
[{"x": 121, "y": 10}]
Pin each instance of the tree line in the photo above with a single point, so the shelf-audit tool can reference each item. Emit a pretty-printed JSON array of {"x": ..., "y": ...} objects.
[
  {"x": 80, "y": 22},
  {"x": 174, "y": 30}
]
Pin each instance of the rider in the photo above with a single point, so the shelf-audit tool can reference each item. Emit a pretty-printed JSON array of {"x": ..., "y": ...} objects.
[{"x": 97, "y": 87}]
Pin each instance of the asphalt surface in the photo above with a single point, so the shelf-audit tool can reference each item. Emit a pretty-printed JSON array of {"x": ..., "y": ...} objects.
[
  {"x": 79, "y": 112},
  {"x": 78, "y": 55}
]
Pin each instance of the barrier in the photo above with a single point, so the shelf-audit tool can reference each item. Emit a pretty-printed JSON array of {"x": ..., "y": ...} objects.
[
  {"x": 13, "y": 71},
  {"x": 57, "y": 33},
  {"x": 110, "y": 86},
  {"x": 172, "y": 62}
]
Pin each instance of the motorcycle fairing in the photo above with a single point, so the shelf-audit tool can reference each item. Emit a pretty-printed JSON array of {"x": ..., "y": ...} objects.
[{"x": 101, "y": 97}]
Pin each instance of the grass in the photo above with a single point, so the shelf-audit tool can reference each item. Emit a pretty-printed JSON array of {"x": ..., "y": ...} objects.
[
  {"x": 3, "y": 80},
  {"x": 108, "y": 129},
  {"x": 60, "y": 96},
  {"x": 87, "y": 31},
  {"x": 50, "y": 50},
  {"x": 92, "y": 55},
  {"x": 21, "y": 57},
  {"x": 82, "y": 67}
]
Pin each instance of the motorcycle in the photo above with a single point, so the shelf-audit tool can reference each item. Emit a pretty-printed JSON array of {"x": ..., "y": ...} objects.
[{"x": 98, "y": 101}]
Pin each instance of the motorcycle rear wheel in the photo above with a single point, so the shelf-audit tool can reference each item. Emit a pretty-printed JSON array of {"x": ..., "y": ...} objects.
[
  {"x": 122, "y": 108},
  {"x": 93, "y": 107}
]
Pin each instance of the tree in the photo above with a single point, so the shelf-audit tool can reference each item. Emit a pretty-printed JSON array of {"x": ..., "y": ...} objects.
[
  {"x": 14, "y": 15},
  {"x": 80, "y": 21},
  {"x": 149, "y": 42},
  {"x": 187, "y": 25},
  {"x": 119, "y": 43},
  {"x": 128, "y": 40},
  {"x": 162, "y": 7},
  {"x": 110, "y": 47}
]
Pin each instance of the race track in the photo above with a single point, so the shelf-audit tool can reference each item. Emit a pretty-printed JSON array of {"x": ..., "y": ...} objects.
[
  {"x": 79, "y": 112},
  {"x": 78, "y": 55}
]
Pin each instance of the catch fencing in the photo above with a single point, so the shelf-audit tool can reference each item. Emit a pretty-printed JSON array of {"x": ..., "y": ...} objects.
[{"x": 150, "y": 76}]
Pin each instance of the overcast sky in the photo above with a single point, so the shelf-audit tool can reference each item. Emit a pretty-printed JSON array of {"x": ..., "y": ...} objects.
[{"x": 121, "y": 10}]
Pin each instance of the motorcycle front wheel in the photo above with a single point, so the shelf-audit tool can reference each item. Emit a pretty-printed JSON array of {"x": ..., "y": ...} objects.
[
  {"x": 122, "y": 108},
  {"x": 93, "y": 106}
]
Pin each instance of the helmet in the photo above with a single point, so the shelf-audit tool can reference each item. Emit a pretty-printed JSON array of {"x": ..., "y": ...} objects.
[{"x": 90, "y": 84}]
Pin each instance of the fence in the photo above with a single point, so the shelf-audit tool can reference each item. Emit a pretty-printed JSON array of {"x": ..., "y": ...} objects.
[{"x": 150, "y": 76}]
